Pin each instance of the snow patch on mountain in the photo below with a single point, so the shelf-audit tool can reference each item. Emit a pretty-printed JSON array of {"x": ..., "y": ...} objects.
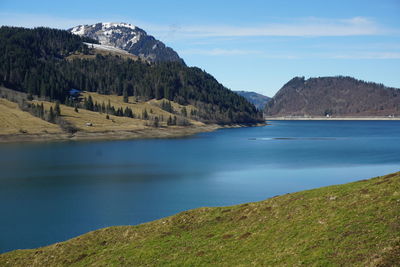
[
  {"x": 114, "y": 24},
  {"x": 106, "y": 48},
  {"x": 106, "y": 31},
  {"x": 129, "y": 38},
  {"x": 79, "y": 30}
]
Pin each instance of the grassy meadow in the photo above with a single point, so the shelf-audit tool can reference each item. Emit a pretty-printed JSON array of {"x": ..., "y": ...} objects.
[
  {"x": 15, "y": 121},
  {"x": 355, "y": 224},
  {"x": 18, "y": 125}
]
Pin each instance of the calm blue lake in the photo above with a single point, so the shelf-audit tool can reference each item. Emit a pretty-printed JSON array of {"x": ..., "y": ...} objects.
[{"x": 55, "y": 191}]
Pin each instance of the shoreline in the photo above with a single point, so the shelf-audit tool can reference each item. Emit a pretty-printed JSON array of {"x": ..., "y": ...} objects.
[
  {"x": 145, "y": 133},
  {"x": 331, "y": 119}
]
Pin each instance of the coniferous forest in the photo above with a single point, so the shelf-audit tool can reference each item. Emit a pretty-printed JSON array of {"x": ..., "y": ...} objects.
[{"x": 36, "y": 61}]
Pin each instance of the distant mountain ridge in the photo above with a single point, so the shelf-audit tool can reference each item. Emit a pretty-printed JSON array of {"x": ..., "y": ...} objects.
[
  {"x": 334, "y": 96},
  {"x": 258, "y": 100},
  {"x": 129, "y": 38}
]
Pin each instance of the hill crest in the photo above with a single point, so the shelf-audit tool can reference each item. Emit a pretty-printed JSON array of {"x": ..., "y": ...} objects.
[{"x": 334, "y": 96}]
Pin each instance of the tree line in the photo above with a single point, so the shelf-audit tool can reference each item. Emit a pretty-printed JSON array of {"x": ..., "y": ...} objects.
[
  {"x": 109, "y": 109},
  {"x": 52, "y": 115}
]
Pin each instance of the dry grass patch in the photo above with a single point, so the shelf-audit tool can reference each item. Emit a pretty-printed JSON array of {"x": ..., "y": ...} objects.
[
  {"x": 124, "y": 55},
  {"x": 152, "y": 106},
  {"x": 15, "y": 121},
  {"x": 98, "y": 121}
]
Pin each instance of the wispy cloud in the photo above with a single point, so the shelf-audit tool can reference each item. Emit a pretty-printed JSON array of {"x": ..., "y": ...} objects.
[
  {"x": 219, "y": 52},
  {"x": 299, "y": 27},
  {"x": 312, "y": 27},
  {"x": 292, "y": 55},
  {"x": 370, "y": 55},
  {"x": 336, "y": 55}
]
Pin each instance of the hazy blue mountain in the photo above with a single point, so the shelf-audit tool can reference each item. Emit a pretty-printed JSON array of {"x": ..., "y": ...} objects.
[{"x": 258, "y": 100}]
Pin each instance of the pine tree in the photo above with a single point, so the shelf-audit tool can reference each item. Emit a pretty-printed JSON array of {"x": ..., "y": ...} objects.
[
  {"x": 41, "y": 112},
  {"x": 125, "y": 95},
  {"x": 128, "y": 112},
  {"x": 51, "y": 115},
  {"x": 109, "y": 110},
  {"x": 120, "y": 112},
  {"x": 145, "y": 115},
  {"x": 169, "y": 121},
  {"x": 90, "y": 105},
  {"x": 184, "y": 111},
  {"x": 43, "y": 89},
  {"x": 113, "y": 111},
  {"x": 57, "y": 110},
  {"x": 166, "y": 105},
  {"x": 156, "y": 122}
]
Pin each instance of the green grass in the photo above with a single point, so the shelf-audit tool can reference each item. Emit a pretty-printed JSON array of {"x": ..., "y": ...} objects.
[{"x": 356, "y": 224}]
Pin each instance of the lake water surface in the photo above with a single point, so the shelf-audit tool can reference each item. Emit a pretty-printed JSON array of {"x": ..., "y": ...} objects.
[{"x": 50, "y": 192}]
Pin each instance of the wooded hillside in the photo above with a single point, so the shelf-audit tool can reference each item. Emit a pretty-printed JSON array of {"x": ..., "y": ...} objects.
[
  {"x": 34, "y": 61},
  {"x": 336, "y": 96}
]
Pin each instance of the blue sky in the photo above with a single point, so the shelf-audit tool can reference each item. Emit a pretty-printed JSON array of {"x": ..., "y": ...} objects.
[{"x": 248, "y": 45}]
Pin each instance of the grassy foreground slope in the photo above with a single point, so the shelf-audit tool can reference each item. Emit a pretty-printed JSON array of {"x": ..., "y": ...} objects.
[{"x": 356, "y": 224}]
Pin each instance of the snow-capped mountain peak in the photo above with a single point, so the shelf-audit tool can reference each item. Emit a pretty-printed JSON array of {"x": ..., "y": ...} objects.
[
  {"x": 80, "y": 29},
  {"x": 121, "y": 35},
  {"x": 129, "y": 38},
  {"x": 107, "y": 25}
]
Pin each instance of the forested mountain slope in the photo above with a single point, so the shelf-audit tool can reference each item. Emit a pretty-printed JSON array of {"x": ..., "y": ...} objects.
[
  {"x": 336, "y": 96},
  {"x": 38, "y": 62}
]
